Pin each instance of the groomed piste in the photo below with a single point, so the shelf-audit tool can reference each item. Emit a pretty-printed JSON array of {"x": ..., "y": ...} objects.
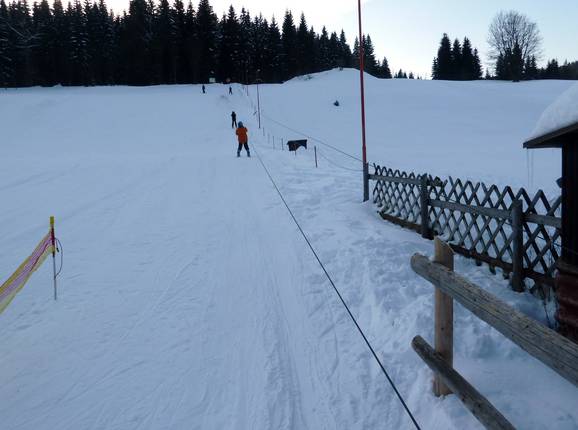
[{"x": 190, "y": 300}]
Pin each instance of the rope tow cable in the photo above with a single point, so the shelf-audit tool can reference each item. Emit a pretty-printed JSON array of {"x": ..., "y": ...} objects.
[{"x": 339, "y": 295}]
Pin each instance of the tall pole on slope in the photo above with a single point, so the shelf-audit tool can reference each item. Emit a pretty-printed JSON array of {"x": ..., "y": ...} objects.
[
  {"x": 362, "y": 85},
  {"x": 258, "y": 98}
]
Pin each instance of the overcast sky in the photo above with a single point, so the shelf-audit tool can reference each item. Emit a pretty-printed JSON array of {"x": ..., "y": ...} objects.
[{"x": 408, "y": 32}]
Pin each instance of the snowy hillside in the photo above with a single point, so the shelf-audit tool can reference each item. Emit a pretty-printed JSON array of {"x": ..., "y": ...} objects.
[
  {"x": 188, "y": 298},
  {"x": 471, "y": 130}
]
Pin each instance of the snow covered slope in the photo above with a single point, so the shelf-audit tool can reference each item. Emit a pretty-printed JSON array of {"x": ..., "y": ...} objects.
[
  {"x": 472, "y": 130},
  {"x": 189, "y": 299}
]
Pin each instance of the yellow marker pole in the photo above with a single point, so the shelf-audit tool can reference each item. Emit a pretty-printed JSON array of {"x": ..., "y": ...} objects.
[{"x": 53, "y": 240}]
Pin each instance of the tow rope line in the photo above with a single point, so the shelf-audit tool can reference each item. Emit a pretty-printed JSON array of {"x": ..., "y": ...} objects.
[{"x": 339, "y": 294}]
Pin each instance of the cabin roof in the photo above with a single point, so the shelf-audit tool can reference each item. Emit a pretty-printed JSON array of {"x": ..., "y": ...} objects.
[{"x": 555, "y": 139}]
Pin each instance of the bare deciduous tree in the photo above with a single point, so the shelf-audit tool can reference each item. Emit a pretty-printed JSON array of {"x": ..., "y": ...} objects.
[{"x": 511, "y": 28}]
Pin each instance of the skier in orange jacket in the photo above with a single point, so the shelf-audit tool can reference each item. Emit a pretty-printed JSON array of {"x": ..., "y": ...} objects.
[{"x": 243, "y": 139}]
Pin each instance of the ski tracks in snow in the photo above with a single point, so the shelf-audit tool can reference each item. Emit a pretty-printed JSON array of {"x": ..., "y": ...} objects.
[{"x": 206, "y": 310}]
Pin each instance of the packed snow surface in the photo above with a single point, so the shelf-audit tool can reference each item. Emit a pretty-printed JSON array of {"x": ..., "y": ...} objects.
[
  {"x": 189, "y": 299},
  {"x": 562, "y": 113}
]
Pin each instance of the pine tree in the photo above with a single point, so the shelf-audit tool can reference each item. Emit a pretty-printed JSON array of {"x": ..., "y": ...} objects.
[
  {"x": 23, "y": 40},
  {"x": 43, "y": 55},
  {"x": 435, "y": 72},
  {"x": 312, "y": 50},
  {"x": 181, "y": 61},
  {"x": 443, "y": 66},
  {"x": 530, "y": 68},
  {"x": 385, "y": 72},
  {"x": 302, "y": 47},
  {"x": 59, "y": 34},
  {"x": 324, "y": 53},
  {"x": 249, "y": 39},
  {"x": 6, "y": 60},
  {"x": 289, "y": 65},
  {"x": 477, "y": 67},
  {"x": 502, "y": 68},
  {"x": 254, "y": 54},
  {"x": 334, "y": 51},
  {"x": 552, "y": 70},
  {"x": 206, "y": 26},
  {"x": 192, "y": 49},
  {"x": 79, "y": 59},
  {"x": 516, "y": 64},
  {"x": 466, "y": 70},
  {"x": 164, "y": 44},
  {"x": 345, "y": 59},
  {"x": 229, "y": 53},
  {"x": 355, "y": 54},
  {"x": 457, "y": 63},
  {"x": 273, "y": 56},
  {"x": 369, "y": 56}
]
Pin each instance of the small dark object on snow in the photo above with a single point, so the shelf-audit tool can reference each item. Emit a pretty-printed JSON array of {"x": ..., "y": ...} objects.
[
  {"x": 294, "y": 145},
  {"x": 336, "y": 103}
]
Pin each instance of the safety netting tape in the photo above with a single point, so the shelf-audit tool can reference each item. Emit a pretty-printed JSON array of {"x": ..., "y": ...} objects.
[{"x": 16, "y": 282}]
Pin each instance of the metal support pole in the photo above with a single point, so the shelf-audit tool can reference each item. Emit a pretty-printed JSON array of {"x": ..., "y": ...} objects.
[
  {"x": 259, "y": 104},
  {"x": 362, "y": 85},
  {"x": 365, "y": 182},
  {"x": 53, "y": 240},
  {"x": 517, "y": 219},
  {"x": 315, "y": 149}
]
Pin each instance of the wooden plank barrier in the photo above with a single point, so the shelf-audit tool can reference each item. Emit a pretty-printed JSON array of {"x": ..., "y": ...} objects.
[
  {"x": 478, "y": 405},
  {"x": 542, "y": 343}
]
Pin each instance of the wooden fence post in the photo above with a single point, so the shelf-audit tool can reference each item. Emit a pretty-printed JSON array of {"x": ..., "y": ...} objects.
[
  {"x": 517, "y": 218},
  {"x": 444, "y": 316},
  {"x": 424, "y": 209}
]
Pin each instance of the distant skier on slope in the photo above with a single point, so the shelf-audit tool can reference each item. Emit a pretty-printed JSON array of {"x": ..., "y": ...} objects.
[
  {"x": 233, "y": 120},
  {"x": 243, "y": 139},
  {"x": 203, "y": 88},
  {"x": 230, "y": 90}
]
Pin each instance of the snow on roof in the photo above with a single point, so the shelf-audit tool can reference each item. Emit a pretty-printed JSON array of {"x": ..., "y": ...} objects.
[{"x": 560, "y": 114}]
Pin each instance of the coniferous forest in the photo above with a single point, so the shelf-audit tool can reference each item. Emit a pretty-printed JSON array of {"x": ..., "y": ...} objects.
[
  {"x": 162, "y": 43},
  {"x": 459, "y": 61}
]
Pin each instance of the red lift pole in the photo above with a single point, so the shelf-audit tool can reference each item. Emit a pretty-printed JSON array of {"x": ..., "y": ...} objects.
[{"x": 362, "y": 84}]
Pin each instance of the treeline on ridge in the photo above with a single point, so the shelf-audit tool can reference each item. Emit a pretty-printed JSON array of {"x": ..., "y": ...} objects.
[{"x": 162, "y": 43}]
